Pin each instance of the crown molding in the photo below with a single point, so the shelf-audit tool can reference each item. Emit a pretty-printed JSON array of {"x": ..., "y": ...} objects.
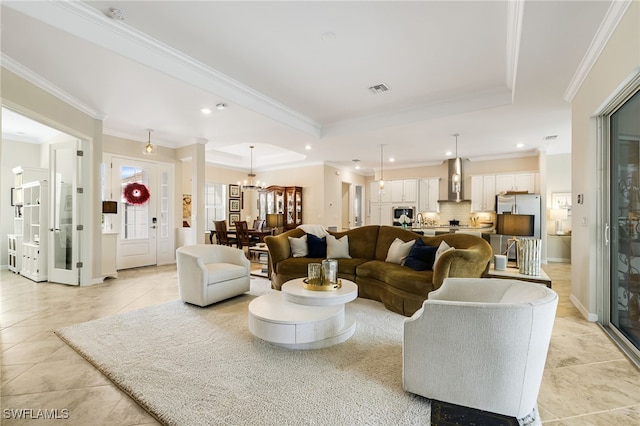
[
  {"x": 44, "y": 84},
  {"x": 614, "y": 15},
  {"x": 91, "y": 25},
  {"x": 515, "y": 15}
]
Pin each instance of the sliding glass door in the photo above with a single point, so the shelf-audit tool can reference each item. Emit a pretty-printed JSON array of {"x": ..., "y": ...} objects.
[{"x": 622, "y": 294}]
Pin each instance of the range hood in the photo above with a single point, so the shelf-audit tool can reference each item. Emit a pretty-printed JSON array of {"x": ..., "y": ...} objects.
[{"x": 452, "y": 197}]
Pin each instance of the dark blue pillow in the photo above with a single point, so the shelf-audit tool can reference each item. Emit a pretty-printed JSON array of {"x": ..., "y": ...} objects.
[
  {"x": 421, "y": 256},
  {"x": 317, "y": 246}
]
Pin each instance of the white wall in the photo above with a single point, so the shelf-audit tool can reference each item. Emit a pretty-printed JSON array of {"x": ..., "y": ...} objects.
[
  {"x": 13, "y": 154},
  {"x": 619, "y": 59}
]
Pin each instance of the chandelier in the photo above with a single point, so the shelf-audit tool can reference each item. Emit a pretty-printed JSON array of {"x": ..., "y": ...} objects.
[
  {"x": 250, "y": 185},
  {"x": 149, "y": 149},
  {"x": 457, "y": 174}
]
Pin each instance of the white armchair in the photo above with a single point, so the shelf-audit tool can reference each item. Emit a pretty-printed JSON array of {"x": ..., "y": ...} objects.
[
  {"x": 480, "y": 343},
  {"x": 211, "y": 273}
]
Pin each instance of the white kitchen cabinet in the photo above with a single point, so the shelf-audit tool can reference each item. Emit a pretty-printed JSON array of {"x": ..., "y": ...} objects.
[
  {"x": 381, "y": 214},
  {"x": 378, "y": 195},
  {"x": 404, "y": 191},
  {"x": 428, "y": 195},
  {"x": 520, "y": 182},
  {"x": 483, "y": 193}
]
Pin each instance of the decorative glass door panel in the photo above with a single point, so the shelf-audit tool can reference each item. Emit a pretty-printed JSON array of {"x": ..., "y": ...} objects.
[
  {"x": 624, "y": 169},
  {"x": 290, "y": 220}
]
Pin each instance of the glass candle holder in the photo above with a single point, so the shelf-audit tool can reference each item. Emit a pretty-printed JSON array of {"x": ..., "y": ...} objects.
[
  {"x": 330, "y": 271},
  {"x": 314, "y": 273}
]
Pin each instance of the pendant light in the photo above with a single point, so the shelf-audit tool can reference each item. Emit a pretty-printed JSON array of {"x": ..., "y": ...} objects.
[
  {"x": 456, "y": 177},
  {"x": 249, "y": 185},
  {"x": 149, "y": 149}
]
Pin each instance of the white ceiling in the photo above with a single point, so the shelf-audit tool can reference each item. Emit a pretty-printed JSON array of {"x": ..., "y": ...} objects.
[{"x": 297, "y": 73}]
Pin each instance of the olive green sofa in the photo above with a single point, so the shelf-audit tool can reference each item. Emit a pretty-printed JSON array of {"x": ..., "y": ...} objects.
[{"x": 400, "y": 288}]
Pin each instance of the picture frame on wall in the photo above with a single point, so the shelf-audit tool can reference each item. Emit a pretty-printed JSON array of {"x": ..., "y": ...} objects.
[
  {"x": 233, "y": 218},
  {"x": 234, "y": 205},
  {"x": 561, "y": 200},
  {"x": 234, "y": 191}
]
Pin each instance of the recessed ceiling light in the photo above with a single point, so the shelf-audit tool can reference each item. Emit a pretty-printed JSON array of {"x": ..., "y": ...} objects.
[
  {"x": 448, "y": 153},
  {"x": 307, "y": 147},
  {"x": 520, "y": 145},
  {"x": 221, "y": 106},
  {"x": 391, "y": 159},
  {"x": 205, "y": 111}
]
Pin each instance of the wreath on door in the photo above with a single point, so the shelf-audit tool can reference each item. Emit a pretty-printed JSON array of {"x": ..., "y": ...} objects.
[{"x": 136, "y": 193}]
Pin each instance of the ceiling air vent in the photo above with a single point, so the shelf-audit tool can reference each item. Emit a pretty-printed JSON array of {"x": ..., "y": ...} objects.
[
  {"x": 550, "y": 138},
  {"x": 379, "y": 88}
]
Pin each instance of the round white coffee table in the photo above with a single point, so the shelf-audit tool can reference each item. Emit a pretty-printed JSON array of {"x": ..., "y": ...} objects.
[{"x": 297, "y": 318}]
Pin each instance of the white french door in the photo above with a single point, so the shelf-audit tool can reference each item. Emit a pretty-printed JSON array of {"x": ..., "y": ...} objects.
[{"x": 65, "y": 213}]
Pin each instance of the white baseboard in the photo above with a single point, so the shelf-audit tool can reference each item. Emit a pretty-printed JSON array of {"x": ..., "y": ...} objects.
[{"x": 584, "y": 311}]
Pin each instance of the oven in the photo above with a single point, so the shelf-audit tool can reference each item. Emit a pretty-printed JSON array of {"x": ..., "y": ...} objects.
[{"x": 408, "y": 211}]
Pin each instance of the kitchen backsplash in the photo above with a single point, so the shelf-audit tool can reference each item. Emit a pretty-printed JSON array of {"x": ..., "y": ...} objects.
[{"x": 457, "y": 211}]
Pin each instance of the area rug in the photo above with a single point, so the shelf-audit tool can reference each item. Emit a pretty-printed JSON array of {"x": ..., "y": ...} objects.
[{"x": 201, "y": 366}]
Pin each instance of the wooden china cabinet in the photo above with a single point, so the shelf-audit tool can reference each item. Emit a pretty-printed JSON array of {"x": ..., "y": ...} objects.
[{"x": 286, "y": 200}]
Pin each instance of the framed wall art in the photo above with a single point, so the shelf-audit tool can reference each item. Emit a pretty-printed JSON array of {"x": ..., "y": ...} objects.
[
  {"x": 234, "y": 205},
  {"x": 234, "y": 191},
  {"x": 233, "y": 217},
  {"x": 561, "y": 200}
]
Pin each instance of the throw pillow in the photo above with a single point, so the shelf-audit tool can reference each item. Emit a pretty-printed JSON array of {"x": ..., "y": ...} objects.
[
  {"x": 421, "y": 257},
  {"x": 298, "y": 246},
  {"x": 442, "y": 248},
  {"x": 398, "y": 251},
  {"x": 338, "y": 248},
  {"x": 317, "y": 246}
]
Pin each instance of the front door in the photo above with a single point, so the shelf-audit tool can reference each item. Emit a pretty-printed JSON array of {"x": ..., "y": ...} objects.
[{"x": 137, "y": 220}]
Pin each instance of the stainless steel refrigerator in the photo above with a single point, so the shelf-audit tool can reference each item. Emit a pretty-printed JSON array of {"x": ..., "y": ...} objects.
[{"x": 521, "y": 204}]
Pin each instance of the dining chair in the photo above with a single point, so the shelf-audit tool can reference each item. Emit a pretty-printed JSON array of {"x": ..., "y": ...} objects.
[
  {"x": 242, "y": 234},
  {"x": 222, "y": 236}
]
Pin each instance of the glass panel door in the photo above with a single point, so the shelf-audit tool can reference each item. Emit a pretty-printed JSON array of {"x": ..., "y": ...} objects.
[
  {"x": 624, "y": 280},
  {"x": 63, "y": 213}
]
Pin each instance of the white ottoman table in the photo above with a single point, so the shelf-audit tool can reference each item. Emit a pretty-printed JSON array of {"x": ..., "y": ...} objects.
[{"x": 297, "y": 318}]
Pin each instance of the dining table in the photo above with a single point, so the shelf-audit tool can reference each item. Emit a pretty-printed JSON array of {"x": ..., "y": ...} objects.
[{"x": 259, "y": 233}]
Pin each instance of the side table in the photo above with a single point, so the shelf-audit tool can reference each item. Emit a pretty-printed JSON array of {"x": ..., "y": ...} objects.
[{"x": 514, "y": 274}]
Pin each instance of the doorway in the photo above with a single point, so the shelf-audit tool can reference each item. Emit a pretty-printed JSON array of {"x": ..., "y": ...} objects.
[{"x": 144, "y": 194}]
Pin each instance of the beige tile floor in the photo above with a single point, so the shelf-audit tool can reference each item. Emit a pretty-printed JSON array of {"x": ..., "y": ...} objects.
[{"x": 587, "y": 381}]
